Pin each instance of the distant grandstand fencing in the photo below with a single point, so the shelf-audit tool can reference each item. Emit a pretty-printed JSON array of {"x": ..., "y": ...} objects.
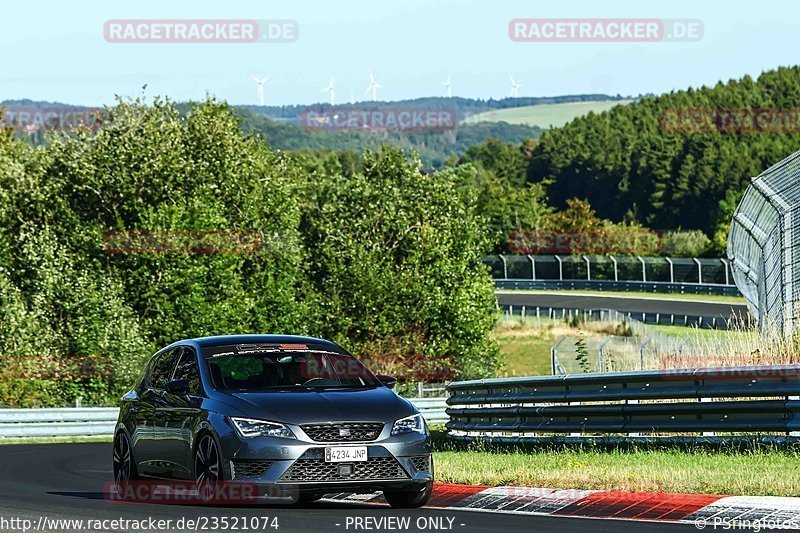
[
  {"x": 763, "y": 247},
  {"x": 680, "y": 270}
]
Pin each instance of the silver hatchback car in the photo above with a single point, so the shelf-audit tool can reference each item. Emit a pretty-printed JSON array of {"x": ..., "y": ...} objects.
[{"x": 298, "y": 417}]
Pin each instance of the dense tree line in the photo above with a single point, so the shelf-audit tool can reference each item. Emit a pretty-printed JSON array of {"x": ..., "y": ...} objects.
[
  {"x": 676, "y": 160},
  {"x": 364, "y": 249}
]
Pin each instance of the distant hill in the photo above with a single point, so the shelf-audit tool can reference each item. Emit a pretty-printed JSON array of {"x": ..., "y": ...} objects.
[
  {"x": 545, "y": 116},
  {"x": 281, "y": 125},
  {"x": 433, "y": 147},
  {"x": 681, "y": 159},
  {"x": 463, "y": 107}
]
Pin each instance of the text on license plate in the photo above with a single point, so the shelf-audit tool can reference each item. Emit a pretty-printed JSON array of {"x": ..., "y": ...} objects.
[{"x": 343, "y": 454}]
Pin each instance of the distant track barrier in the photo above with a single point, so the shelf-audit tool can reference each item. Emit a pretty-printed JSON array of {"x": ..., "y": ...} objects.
[
  {"x": 100, "y": 421},
  {"x": 736, "y": 401},
  {"x": 656, "y": 287},
  {"x": 662, "y": 319},
  {"x": 682, "y": 275}
]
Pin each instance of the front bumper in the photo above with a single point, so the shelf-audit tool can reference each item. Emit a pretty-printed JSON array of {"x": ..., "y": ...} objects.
[{"x": 401, "y": 462}]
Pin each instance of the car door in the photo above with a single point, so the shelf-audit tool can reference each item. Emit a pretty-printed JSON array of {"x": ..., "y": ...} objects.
[
  {"x": 182, "y": 414},
  {"x": 149, "y": 448}
]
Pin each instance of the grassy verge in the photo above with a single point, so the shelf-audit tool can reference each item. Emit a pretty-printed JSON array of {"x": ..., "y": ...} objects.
[
  {"x": 525, "y": 343},
  {"x": 713, "y": 298},
  {"x": 756, "y": 470}
]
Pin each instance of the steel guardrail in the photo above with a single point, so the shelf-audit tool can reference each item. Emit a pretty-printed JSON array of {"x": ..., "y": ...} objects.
[
  {"x": 656, "y": 287},
  {"x": 100, "y": 421},
  {"x": 759, "y": 399}
]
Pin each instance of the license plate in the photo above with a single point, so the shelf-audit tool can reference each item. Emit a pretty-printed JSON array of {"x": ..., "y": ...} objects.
[{"x": 345, "y": 454}]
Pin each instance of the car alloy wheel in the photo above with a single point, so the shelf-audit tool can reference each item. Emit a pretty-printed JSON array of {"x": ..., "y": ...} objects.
[
  {"x": 123, "y": 462},
  {"x": 207, "y": 469}
]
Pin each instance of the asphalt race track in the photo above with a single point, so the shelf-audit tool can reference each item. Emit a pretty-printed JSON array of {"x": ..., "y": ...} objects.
[
  {"x": 624, "y": 304},
  {"x": 67, "y": 481}
]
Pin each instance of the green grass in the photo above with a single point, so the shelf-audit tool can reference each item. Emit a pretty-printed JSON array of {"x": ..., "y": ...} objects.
[
  {"x": 544, "y": 115},
  {"x": 706, "y": 334},
  {"x": 755, "y": 470},
  {"x": 525, "y": 343},
  {"x": 714, "y": 298},
  {"x": 525, "y": 355}
]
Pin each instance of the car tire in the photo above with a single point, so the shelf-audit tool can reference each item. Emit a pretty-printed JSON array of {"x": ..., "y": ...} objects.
[
  {"x": 208, "y": 474},
  {"x": 123, "y": 464},
  {"x": 409, "y": 499}
]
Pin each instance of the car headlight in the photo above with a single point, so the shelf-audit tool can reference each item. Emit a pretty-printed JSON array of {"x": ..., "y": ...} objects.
[
  {"x": 248, "y": 427},
  {"x": 410, "y": 424}
]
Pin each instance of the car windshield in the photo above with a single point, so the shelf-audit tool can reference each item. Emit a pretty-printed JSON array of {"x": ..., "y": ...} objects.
[{"x": 251, "y": 369}]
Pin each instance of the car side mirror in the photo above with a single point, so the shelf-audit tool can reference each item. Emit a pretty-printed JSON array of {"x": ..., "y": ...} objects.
[
  {"x": 389, "y": 381},
  {"x": 178, "y": 386}
]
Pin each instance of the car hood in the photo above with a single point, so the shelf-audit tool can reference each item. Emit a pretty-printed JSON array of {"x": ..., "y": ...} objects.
[{"x": 377, "y": 404}]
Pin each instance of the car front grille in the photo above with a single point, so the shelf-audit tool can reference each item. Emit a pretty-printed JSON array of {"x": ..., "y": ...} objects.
[
  {"x": 344, "y": 432},
  {"x": 375, "y": 468},
  {"x": 244, "y": 469},
  {"x": 422, "y": 463}
]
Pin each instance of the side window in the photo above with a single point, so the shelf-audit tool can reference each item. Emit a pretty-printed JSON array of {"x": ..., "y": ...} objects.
[
  {"x": 187, "y": 369},
  {"x": 161, "y": 368}
]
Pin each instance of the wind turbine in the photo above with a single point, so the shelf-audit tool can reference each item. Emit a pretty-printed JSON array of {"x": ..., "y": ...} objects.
[
  {"x": 514, "y": 86},
  {"x": 329, "y": 89},
  {"x": 447, "y": 86},
  {"x": 373, "y": 86},
  {"x": 260, "y": 83}
]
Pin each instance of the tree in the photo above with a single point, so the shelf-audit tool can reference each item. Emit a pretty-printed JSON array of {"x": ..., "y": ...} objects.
[{"x": 395, "y": 260}]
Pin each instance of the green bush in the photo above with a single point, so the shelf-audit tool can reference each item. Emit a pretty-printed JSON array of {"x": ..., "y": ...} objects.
[{"x": 395, "y": 263}]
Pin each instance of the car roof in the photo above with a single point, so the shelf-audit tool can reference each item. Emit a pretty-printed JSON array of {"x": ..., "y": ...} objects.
[{"x": 223, "y": 340}]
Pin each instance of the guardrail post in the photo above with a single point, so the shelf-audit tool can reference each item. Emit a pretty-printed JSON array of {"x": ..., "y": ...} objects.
[
  {"x": 574, "y": 434},
  {"x": 632, "y": 402},
  {"x": 707, "y": 433}
]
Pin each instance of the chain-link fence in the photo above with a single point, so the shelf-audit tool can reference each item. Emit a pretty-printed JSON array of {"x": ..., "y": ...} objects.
[
  {"x": 635, "y": 350},
  {"x": 763, "y": 247},
  {"x": 611, "y": 268}
]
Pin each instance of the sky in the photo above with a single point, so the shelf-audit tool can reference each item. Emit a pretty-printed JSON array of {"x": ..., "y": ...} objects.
[{"x": 56, "y": 51}]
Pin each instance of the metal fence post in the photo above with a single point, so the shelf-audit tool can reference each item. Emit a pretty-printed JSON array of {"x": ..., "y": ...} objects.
[
  {"x": 560, "y": 269},
  {"x": 505, "y": 266},
  {"x": 699, "y": 270},
  {"x": 644, "y": 268},
  {"x": 726, "y": 264},
  {"x": 588, "y": 269},
  {"x": 533, "y": 267},
  {"x": 671, "y": 270},
  {"x": 616, "y": 273}
]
